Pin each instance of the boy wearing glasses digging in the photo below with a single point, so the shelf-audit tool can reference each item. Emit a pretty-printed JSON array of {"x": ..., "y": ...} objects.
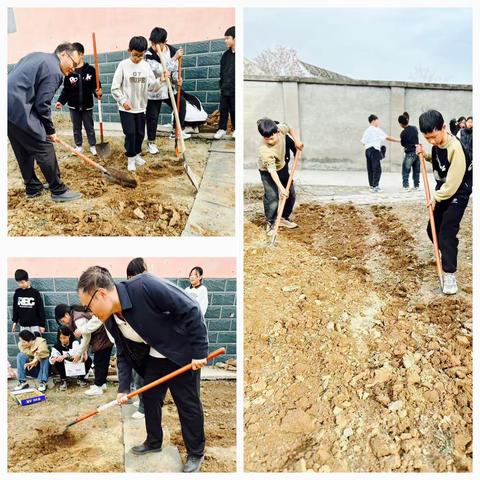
[{"x": 132, "y": 81}]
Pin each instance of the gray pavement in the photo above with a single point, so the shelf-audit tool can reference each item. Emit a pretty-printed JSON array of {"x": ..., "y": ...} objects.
[{"x": 213, "y": 211}]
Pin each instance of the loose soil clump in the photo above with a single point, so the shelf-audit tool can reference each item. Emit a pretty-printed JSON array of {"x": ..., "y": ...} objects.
[
  {"x": 353, "y": 360},
  {"x": 159, "y": 206}
]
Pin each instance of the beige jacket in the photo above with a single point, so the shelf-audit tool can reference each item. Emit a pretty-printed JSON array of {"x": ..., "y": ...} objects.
[{"x": 38, "y": 350}]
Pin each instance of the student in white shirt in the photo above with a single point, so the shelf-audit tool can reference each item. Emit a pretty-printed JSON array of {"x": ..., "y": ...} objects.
[
  {"x": 373, "y": 139},
  {"x": 197, "y": 290}
]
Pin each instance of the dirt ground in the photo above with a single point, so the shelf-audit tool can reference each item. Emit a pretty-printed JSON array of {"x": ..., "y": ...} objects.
[
  {"x": 353, "y": 360},
  {"x": 159, "y": 206},
  {"x": 36, "y": 442}
]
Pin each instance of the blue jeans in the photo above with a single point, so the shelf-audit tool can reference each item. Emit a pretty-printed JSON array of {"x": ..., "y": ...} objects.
[
  {"x": 40, "y": 371},
  {"x": 411, "y": 162}
]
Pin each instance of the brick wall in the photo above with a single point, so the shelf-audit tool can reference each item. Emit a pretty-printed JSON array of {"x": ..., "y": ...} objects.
[{"x": 221, "y": 316}]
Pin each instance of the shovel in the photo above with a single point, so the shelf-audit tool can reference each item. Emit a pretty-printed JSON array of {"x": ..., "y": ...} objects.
[
  {"x": 164, "y": 379},
  {"x": 432, "y": 218},
  {"x": 283, "y": 200},
  {"x": 182, "y": 151},
  {"x": 112, "y": 174},
  {"x": 103, "y": 148},
  {"x": 179, "y": 89}
]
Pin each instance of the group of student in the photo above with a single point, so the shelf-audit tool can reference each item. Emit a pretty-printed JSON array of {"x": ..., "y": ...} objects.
[
  {"x": 451, "y": 159},
  {"x": 79, "y": 332},
  {"x": 139, "y": 87}
]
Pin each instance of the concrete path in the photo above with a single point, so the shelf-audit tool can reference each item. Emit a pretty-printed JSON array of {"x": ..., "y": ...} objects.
[
  {"x": 213, "y": 212},
  {"x": 348, "y": 186},
  {"x": 168, "y": 460}
]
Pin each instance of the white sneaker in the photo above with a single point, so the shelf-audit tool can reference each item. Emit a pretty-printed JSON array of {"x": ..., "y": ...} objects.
[
  {"x": 270, "y": 229},
  {"x": 152, "y": 148},
  {"x": 406, "y": 189},
  {"x": 131, "y": 164},
  {"x": 184, "y": 135},
  {"x": 93, "y": 150},
  {"x": 78, "y": 149},
  {"x": 287, "y": 223},
  {"x": 139, "y": 160},
  {"x": 42, "y": 387},
  {"x": 233, "y": 134},
  {"x": 94, "y": 391},
  {"x": 104, "y": 387},
  {"x": 21, "y": 386},
  {"x": 449, "y": 284},
  {"x": 219, "y": 134},
  {"x": 138, "y": 415},
  {"x": 191, "y": 130}
]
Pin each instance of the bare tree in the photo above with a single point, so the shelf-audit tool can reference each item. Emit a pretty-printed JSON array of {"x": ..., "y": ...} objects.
[
  {"x": 427, "y": 75},
  {"x": 281, "y": 61}
]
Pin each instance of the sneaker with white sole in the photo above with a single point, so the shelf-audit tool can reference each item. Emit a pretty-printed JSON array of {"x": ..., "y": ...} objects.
[
  {"x": 287, "y": 223},
  {"x": 152, "y": 148},
  {"x": 94, "y": 391},
  {"x": 377, "y": 190},
  {"x": 270, "y": 229},
  {"x": 63, "y": 385},
  {"x": 406, "y": 189},
  {"x": 78, "y": 149},
  {"x": 220, "y": 133},
  {"x": 184, "y": 135},
  {"x": 139, "y": 160},
  {"x": 131, "y": 164},
  {"x": 449, "y": 284},
  {"x": 21, "y": 386},
  {"x": 42, "y": 386},
  {"x": 104, "y": 387},
  {"x": 191, "y": 130},
  {"x": 138, "y": 415},
  {"x": 93, "y": 150}
]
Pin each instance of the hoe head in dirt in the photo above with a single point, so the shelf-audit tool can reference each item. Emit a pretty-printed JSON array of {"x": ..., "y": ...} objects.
[{"x": 112, "y": 174}]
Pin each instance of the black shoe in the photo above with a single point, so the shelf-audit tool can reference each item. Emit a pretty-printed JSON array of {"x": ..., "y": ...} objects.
[
  {"x": 142, "y": 449},
  {"x": 193, "y": 463},
  {"x": 34, "y": 194}
]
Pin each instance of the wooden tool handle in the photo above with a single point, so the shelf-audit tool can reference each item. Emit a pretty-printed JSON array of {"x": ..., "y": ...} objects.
[
  {"x": 431, "y": 216},
  {"x": 82, "y": 156},
  {"x": 97, "y": 79}
]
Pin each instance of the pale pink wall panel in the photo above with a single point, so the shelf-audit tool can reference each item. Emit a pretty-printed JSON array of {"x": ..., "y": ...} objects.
[{"x": 42, "y": 29}]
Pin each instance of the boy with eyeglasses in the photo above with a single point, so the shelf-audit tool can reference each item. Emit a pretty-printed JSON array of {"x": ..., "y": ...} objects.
[{"x": 131, "y": 84}]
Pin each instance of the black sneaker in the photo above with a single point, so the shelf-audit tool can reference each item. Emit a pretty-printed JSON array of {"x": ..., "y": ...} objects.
[
  {"x": 143, "y": 449},
  {"x": 21, "y": 386},
  {"x": 63, "y": 385},
  {"x": 34, "y": 194},
  {"x": 193, "y": 463}
]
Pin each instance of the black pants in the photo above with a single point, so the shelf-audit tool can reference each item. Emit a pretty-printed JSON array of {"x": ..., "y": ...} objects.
[
  {"x": 29, "y": 149},
  {"x": 227, "y": 106},
  {"x": 271, "y": 198},
  {"x": 101, "y": 359},
  {"x": 184, "y": 390},
  {"x": 448, "y": 215},
  {"x": 84, "y": 117},
  {"x": 153, "y": 112},
  {"x": 133, "y": 126},
  {"x": 374, "y": 166},
  {"x": 60, "y": 368}
]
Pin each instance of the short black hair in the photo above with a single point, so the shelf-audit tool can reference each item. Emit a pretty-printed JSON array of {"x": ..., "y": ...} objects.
[
  {"x": 64, "y": 47},
  {"x": 78, "y": 47},
  {"x": 371, "y": 118},
  {"x": 430, "y": 121},
  {"x": 461, "y": 119},
  {"x": 95, "y": 277},
  {"x": 198, "y": 269},
  {"x": 64, "y": 330},
  {"x": 136, "y": 267},
  {"x": 267, "y": 127},
  {"x": 61, "y": 310},
  {"x": 138, "y": 43},
  {"x": 230, "y": 32},
  {"x": 27, "y": 335},
  {"x": 469, "y": 118},
  {"x": 403, "y": 120},
  {"x": 158, "y": 35},
  {"x": 21, "y": 275},
  {"x": 406, "y": 115}
]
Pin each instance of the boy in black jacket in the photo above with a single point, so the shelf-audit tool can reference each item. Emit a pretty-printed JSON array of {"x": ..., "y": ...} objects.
[
  {"x": 79, "y": 88},
  {"x": 409, "y": 140},
  {"x": 227, "y": 85},
  {"x": 28, "y": 308}
]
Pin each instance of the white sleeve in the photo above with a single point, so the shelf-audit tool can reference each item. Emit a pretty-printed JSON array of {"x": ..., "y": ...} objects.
[
  {"x": 54, "y": 354},
  {"x": 89, "y": 326},
  {"x": 203, "y": 299},
  {"x": 382, "y": 135},
  {"x": 117, "y": 83},
  {"x": 153, "y": 84}
]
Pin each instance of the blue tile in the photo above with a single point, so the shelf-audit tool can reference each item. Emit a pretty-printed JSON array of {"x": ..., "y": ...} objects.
[
  {"x": 223, "y": 299},
  {"x": 197, "y": 47},
  {"x": 214, "y": 285},
  {"x": 189, "y": 61},
  {"x": 227, "y": 337},
  {"x": 11, "y": 285},
  {"x": 219, "y": 325},
  {"x": 209, "y": 59},
  {"x": 43, "y": 284},
  {"x": 217, "y": 45},
  {"x": 214, "y": 72},
  {"x": 53, "y": 299},
  {"x": 65, "y": 284},
  {"x": 213, "y": 312},
  {"x": 228, "y": 312}
]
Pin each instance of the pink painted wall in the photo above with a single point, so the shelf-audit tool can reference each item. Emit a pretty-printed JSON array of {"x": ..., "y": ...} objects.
[
  {"x": 163, "y": 267},
  {"x": 42, "y": 29}
]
